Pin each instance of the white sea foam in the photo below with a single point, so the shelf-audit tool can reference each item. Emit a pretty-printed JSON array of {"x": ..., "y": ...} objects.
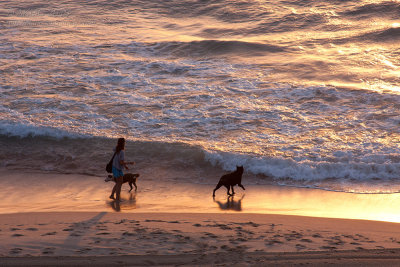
[
  {"x": 13, "y": 129},
  {"x": 306, "y": 170}
]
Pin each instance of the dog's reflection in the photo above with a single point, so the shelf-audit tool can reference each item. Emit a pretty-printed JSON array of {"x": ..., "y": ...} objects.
[
  {"x": 230, "y": 204},
  {"x": 126, "y": 204}
]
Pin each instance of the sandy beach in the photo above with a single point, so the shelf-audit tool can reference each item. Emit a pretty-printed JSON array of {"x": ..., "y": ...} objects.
[
  {"x": 181, "y": 224},
  {"x": 138, "y": 239}
]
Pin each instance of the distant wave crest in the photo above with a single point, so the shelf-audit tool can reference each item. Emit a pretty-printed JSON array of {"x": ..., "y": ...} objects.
[
  {"x": 206, "y": 48},
  {"x": 387, "y": 35},
  {"x": 384, "y": 9}
]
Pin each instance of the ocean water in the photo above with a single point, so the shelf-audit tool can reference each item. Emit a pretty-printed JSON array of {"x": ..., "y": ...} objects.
[{"x": 301, "y": 93}]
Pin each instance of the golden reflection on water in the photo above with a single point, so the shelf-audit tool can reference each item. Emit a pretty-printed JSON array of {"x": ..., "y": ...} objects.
[{"x": 319, "y": 203}]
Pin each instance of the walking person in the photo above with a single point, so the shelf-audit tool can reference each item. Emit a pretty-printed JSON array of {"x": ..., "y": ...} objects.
[{"x": 118, "y": 165}]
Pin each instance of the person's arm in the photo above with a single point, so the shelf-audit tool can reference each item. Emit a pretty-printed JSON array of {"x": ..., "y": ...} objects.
[{"x": 125, "y": 164}]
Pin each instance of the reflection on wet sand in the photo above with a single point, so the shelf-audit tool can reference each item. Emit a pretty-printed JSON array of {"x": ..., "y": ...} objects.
[
  {"x": 66, "y": 194},
  {"x": 126, "y": 204},
  {"x": 230, "y": 204}
]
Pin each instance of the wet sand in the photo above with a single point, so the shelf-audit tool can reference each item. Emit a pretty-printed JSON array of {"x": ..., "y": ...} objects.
[{"x": 49, "y": 192}]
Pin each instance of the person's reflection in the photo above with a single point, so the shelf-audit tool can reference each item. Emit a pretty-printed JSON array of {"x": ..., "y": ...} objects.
[
  {"x": 126, "y": 204},
  {"x": 115, "y": 205},
  {"x": 230, "y": 204}
]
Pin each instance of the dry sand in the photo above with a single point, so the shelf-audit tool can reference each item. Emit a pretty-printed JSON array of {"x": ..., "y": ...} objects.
[{"x": 137, "y": 239}]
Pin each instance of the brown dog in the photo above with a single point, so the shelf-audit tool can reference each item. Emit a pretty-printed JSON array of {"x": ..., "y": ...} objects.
[
  {"x": 230, "y": 180},
  {"x": 129, "y": 178}
]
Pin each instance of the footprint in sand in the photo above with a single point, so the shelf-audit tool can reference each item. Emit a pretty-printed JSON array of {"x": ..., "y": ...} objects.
[
  {"x": 75, "y": 234},
  {"x": 128, "y": 234},
  {"x": 253, "y": 224},
  {"x": 300, "y": 247},
  {"x": 328, "y": 247},
  {"x": 293, "y": 235},
  {"x": 225, "y": 247},
  {"x": 273, "y": 242},
  {"x": 180, "y": 240},
  {"x": 48, "y": 251},
  {"x": 31, "y": 229},
  {"x": 49, "y": 233},
  {"x": 17, "y": 235},
  {"x": 83, "y": 250},
  {"x": 103, "y": 233},
  {"x": 224, "y": 227},
  {"x": 348, "y": 236},
  {"x": 211, "y": 235},
  {"x": 14, "y": 251}
]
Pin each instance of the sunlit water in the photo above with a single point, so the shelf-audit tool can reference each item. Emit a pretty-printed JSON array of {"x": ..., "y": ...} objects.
[{"x": 301, "y": 93}]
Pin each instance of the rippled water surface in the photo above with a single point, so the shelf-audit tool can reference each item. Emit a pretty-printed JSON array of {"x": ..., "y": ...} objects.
[{"x": 302, "y": 93}]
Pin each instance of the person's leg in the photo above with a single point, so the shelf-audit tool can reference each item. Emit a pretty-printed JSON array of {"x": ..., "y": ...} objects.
[
  {"x": 118, "y": 186},
  {"x": 113, "y": 191},
  {"x": 115, "y": 174}
]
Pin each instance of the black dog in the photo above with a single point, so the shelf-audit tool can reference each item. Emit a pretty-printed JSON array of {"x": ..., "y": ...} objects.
[
  {"x": 128, "y": 178},
  {"x": 230, "y": 180}
]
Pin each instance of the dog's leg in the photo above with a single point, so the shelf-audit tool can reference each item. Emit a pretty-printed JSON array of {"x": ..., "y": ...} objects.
[
  {"x": 233, "y": 191},
  {"x": 130, "y": 184},
  {"x": 216, "y": 188},
  {"x": 241, "y": 186},
  {"x": 228, "y": 187},
  {"x": 134, "y": 183}
]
